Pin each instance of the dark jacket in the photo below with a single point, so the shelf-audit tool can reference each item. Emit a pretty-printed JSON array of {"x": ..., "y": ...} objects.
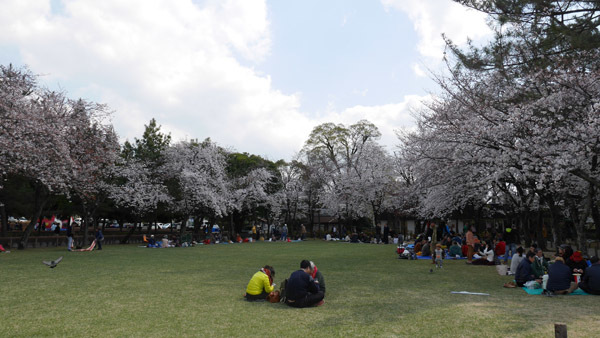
[
  {"x": 590, "y": 282},
  {"x": 524, "y": 273},
  {"x": 321, "y": 281},
  {"x": 69, "y": 231},
  {"x": 559, "y": 277},
  {"x": 299, "y": 285},
  {"x": 426, "y": 250},
  {"x": 577, "y": 265},
  {"x": 455, "y": 250}
]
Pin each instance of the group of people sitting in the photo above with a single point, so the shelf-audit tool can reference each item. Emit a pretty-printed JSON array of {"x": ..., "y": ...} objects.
[
  {"x": 165, "y": 242},
  {"x": 568, "y": 272},
  {"x": 455, "y": 247},
  {"x": 305, "y": 287}
]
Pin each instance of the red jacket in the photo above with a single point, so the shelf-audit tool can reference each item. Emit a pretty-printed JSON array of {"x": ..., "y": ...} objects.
[{"x": 500, "y": 248}]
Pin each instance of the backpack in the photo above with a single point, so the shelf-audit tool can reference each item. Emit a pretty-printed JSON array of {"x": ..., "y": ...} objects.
[{"x": 282, "y": 291}]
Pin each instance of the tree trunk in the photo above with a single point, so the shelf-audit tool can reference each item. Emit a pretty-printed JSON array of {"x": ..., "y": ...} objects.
[
  {"x": 84, "y": 225},
  {"x": 581, "y": 237},
  {"x": 183, "y": 226},
  {"x": 129, "y": 233},
  {"x": 39, "y": 206},
  {"x": 556, "y": 234},
  {"x": 595, "y": 213},
  {"x": 3, "y": 219},
  {"x": 540, "y": 231}
]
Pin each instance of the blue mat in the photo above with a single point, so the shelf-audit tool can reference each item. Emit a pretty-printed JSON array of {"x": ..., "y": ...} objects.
[
  {"x": 539, "y": 292},
  {"x": 429, "y": 257}
]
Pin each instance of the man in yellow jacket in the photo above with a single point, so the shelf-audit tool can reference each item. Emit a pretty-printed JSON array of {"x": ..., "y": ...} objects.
[{"x": 261, "y": 284}]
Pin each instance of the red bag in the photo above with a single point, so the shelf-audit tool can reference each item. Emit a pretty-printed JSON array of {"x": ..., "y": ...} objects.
[{"x": 274, "y": 297}]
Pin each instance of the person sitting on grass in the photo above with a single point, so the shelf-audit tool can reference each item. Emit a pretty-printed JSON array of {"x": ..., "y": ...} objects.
[
  {"x": 318, "y": 277},
  {"x": 261, "y": 284},
  {"x": 560, "y": 278},
  {"x": 517, "y": 258},
  {"x": 426, "y": 249},
  {"x": 152, "y": 242},
  {"x": 500, "y": 247},
  {"x": 455, "y": 250},
  {"x": 577, "y": 263},
  {"x": 590, "y": 282},
  {"x": 540, "y": 264},
  {"x": 524, "y": 273},
  {"x": 301, "y": 289},
  {"x": 487, "y": 256},
  {"x": 418, "y": 246}
]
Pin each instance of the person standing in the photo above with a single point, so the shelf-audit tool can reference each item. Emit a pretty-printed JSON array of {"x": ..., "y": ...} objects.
[
  {"x": 302, "y": 232},
  {"x": 301, "y": 289},
  {"x": 386, "y": 233},
  {"x": 284, "y": 232},
  {"x": 254, "y": 236},
  {"x": 69, "y": 237},
  {"x": 512, "y": 238},
  {"x": 470, "y": 239},
  {"x": 439, "y": 255},
  {"x": 99, "y": 238}
]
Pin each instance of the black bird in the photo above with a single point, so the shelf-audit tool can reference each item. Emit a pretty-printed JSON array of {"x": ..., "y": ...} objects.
[
  {"x": 54, "y": 263},
  {"x": 430, "y": 270}
]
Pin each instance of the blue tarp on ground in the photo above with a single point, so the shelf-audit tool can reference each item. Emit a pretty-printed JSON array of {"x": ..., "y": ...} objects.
[
  {"x": 539, "y": 292},
  {"x": 429, "y": 257}
]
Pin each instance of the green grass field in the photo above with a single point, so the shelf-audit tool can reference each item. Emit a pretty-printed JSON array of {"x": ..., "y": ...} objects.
[{"x": 130, "y": 291}]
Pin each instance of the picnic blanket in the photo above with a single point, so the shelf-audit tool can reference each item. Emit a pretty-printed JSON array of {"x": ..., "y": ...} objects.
[
  {"x": 90, "y": 248},
  {"x": 447, "y": 257},
  {"x": 539, "y": 292}
]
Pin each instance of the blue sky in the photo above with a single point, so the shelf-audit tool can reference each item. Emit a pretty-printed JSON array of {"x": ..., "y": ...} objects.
[
  {"x": 253, "y": 75},
  {"x": 344, "y": 55}
]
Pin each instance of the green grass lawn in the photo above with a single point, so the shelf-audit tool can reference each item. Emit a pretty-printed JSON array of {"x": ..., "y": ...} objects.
[{"x": 130, "y": 291}]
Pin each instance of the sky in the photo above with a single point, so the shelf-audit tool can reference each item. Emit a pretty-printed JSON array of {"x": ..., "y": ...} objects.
[{"x": 255, "y": 76}]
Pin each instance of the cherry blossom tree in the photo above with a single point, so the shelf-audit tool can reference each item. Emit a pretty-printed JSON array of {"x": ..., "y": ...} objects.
[
  {"x": 356, "y": 173},
  {"x": 514, "y": 124},
  {"x": 200, "y": 179},
  {"x": 94, "y": 151}
]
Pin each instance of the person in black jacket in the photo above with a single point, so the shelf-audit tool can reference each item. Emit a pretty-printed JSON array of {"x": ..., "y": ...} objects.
[
  {"x": 524, "y": 273},
  {"x": 590, "y": 282},
  {"x": 301, "y": 290},
  {"x": 559, "y": 278}
]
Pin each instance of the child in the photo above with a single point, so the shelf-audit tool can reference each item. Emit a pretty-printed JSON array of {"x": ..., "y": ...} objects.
[{"x": 438, "y": 255}]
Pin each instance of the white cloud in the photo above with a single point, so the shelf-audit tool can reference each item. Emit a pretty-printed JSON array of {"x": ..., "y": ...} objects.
[
  {"x": 418, "y": 70},
  {"x": 173, "y": 60},
  {"x": 388, "y": 118},
  {"x": 431, "y": 18},
  {"x": 178, "y": 62}
]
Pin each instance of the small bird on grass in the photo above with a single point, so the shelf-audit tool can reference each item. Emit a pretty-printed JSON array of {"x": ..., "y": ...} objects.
[
  {"x": 54, "y": 263},
  {"x": 430, "y": 270}
]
